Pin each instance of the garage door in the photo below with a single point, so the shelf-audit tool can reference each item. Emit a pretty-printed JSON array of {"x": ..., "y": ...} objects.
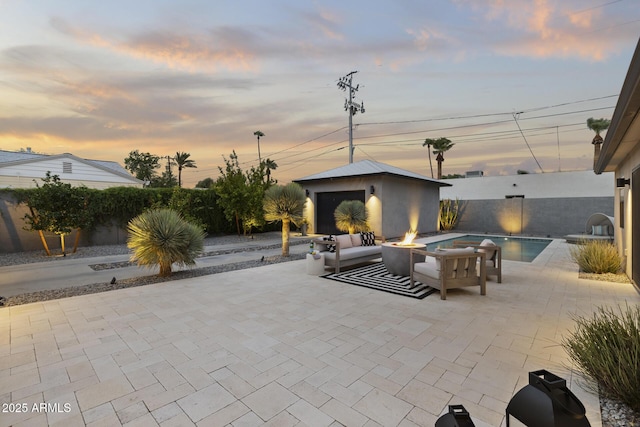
[{"x": 327, "y": 203}]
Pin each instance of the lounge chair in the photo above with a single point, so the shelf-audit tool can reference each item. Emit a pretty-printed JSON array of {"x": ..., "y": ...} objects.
[
  {"x": 493, "y": 255},
  {"x": 449, "y": 269}
]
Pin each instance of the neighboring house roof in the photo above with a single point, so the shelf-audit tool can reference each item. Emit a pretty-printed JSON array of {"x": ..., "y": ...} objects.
[
  {"x": 624, "y": 130},
  {"x": 368, "y": 167},
  {"x": 12, "y": 158}
]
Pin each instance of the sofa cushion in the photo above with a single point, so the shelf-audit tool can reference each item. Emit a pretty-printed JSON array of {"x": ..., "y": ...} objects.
[
  {"x": 344, "y": 240},
  {"x": 368, "y": 238},
  {"x": 429, "y": 268},
  {"x": 356, "y": 240},
  {"x": 353, "y": 253},
  {"x": 490, "y": 253}
]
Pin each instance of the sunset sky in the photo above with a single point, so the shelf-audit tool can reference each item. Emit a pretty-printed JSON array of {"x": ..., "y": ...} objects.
[{"x": 99, "y": 79}]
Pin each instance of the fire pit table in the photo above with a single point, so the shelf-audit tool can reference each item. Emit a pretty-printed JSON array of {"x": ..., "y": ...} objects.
[{"x": 396, "y": 257}]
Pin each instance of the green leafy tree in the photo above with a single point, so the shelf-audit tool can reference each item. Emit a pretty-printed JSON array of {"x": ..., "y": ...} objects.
[
  {"x": 166, "y": 180},
  {"x": 440, "y": 146},
  {"x": 56, "y": 207},
  {"x": 206, "y": 183},
  {"x": 183, "y": 161},
  {"x": 284, "y": 203},
  {"x": 256, "y": 186},
  {"x": 233, "y": 191},
  {"x": 142, "y": 165},
  {"x": 162, "y": 237},
  {"x": 351, "y": 216}
]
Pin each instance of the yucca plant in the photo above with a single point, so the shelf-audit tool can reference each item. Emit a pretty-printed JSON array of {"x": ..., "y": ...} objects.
[
  {"x": 351, "y": 216},
  {"x": 162, "y": 237},
  {"x": 606, "y": 348},
  {"x": 596, "y": 257},
  {"x": 284, "y": 203}
]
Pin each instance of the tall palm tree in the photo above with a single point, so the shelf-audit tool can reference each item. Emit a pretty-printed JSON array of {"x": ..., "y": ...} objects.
[
  {"x": 284, "y": 203},
  {"x": 259, "y": 134},
  {"x": 429, "y": 142},
  {"x": 183, "y": 161},
  {"x": 441, "y": 145},
  {"x": 269, "y": 166},
  {"x": 597, "y": 125}
]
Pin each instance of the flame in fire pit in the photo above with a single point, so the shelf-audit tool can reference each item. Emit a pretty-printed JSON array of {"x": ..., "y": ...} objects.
[{"x": 408, "y": 238}]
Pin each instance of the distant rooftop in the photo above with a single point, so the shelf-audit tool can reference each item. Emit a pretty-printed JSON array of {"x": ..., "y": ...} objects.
[
  {"x": 26, "y": 156},
  {"x": 367, "y": 167}
]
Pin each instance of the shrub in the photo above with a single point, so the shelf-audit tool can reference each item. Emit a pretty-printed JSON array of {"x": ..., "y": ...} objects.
[
  {"x": 596, "y": 257},
  {"x": 449, "y": 210},
  {"x": 162, "y": 237},
  {"x": 351, "y": 216},
  {"x": 606, "y": 348}
]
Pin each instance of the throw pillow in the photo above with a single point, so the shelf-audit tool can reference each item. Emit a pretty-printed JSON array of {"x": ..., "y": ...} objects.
[
  {"x": 345, "y": 241},
  {"x": 330, "y": 247},
  {"x": 356, "y": 240},
  {"x": 490, "y": 253},
  {"x": 368, "y": 238}
]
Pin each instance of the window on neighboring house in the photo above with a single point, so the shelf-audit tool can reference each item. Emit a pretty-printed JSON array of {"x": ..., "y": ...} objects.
[{"x": 66, "y": 167}]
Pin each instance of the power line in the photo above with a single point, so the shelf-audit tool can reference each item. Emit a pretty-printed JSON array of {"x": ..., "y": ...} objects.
[{"x": 515, "y": 118}]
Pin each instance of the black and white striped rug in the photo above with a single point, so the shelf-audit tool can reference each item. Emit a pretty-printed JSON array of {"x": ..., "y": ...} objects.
[{"x": 376, "y": 276}]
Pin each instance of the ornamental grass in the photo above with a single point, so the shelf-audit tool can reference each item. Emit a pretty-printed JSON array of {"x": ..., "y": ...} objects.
[
  {"x": 596, "y": 256},
  {"x": 606, "y": 348}
]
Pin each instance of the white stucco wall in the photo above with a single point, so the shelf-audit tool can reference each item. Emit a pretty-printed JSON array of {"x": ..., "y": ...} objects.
[
  {"x": 532, "y": 186},
  {"x": 623, "y": 236},
  {"x": 23, "y": 175}
]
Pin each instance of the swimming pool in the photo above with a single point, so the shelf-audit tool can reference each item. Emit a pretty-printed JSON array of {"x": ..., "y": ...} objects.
[{"x": 513, "y": 248}]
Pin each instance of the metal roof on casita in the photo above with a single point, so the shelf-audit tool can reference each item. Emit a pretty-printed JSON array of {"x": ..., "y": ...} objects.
[{"x": 368, "y": 167}]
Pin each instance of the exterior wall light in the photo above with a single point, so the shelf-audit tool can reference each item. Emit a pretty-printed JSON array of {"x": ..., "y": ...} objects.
[
  {"x": 306, "y": 192},
  {"x": 372, "y": 190},
  {"x": 621, "y": 182}
]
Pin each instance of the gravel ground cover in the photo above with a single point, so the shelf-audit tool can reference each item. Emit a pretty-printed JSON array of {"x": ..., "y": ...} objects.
[{"x": 98, "y": 251}]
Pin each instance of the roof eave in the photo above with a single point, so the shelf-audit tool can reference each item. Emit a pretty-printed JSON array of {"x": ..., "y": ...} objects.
[{"x": 624, "y": 116}]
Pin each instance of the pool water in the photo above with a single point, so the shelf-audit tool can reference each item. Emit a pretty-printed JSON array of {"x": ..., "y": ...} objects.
[{"x": 513, "y": 248}]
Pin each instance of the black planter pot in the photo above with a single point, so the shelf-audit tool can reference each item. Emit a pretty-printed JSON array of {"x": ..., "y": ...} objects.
[
  {"x": 547, "y": 402},
  {"x": 457, "y": 417}
]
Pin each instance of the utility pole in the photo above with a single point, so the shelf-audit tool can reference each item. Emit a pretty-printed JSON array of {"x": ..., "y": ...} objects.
[{"x": 345, "y": 83}]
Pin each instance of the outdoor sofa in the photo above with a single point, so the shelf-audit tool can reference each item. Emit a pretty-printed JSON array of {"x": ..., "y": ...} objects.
[
  {"x": 450, "y": 268},
  {"x": 349, "y": 249}
]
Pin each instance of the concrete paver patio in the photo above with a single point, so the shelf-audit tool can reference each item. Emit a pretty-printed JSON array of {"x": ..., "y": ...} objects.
[{"x": 274, "y": 346}]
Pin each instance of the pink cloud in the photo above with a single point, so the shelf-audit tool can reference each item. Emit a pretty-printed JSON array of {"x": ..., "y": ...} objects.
[{"x": 224, "y": 48}]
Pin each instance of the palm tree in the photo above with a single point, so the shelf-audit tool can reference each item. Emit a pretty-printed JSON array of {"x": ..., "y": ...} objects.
[
  {"x": 441, "y": 145},
  {"x": 183, "y": 161},
  {"x": 597, "y": 125},
  {"x": 429, "y": 142},
  {"x": 259, "y": 134},
  {"x": 284, "y": 203},
  {"x": 270, "y": 165},
  {"x": 351, "y": 216},
  {"x": 162, "y": 237}
]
